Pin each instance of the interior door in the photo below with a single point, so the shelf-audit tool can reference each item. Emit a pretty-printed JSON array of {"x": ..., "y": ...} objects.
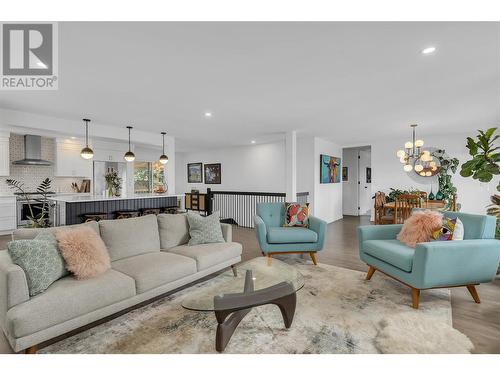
[{"x": 364, "y": 186}]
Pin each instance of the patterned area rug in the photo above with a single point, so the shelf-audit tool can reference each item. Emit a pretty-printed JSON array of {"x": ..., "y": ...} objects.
[{"x": 337, "y": 312}]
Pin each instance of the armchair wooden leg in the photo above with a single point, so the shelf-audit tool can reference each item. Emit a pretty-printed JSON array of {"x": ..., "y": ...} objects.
[
  {"x": 31, "y": 350},
  {"x": 313, "y": 257},
  {"x": 269, "y": 259},
  {"x": 415, "y": 297},
  {"x": 371, "y": 271},
  {"x": 472, "y": 290}
]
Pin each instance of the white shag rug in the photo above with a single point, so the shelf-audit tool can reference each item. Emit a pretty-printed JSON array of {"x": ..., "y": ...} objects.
[{"x": 337, "y": 312}]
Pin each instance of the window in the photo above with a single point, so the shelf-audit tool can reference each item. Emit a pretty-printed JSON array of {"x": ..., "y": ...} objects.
[
  {"x": 142, "y": 177},
  {"x": 148, "y": 177},
  {"x": 159, "y": 185}
]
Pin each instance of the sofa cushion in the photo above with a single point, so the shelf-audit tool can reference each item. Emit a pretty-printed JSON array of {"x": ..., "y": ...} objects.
[
  {"x": 74, "y": 297},
  {"x": 40, "y": 259},
  {"x": 204, "y": 229},
  {"x": 174, "y": 230},
  {"x": 128, "y": 237},
  {"x": 392, "y": 252},
  {"x": 30, "y": 233},
  {"x": 84, "y": 251},
  {"x": 291, "y": 235},
  {"x": 155, "y": 269},
  {"x": 208, "y": 255}
]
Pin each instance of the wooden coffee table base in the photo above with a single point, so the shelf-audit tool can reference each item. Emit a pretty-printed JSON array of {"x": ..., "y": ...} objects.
[{"x": 230, "y": 309}]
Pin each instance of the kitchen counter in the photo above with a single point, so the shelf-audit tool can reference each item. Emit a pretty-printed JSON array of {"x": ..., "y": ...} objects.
[{"x": 97, "y": 198}]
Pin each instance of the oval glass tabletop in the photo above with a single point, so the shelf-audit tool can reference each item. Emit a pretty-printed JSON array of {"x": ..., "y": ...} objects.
[{"x": 273, "y": 278}]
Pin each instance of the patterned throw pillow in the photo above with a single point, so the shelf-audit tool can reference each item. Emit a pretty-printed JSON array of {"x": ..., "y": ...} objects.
[
  {"x": 204, "y": 229},
  {"x": 296, "y": 215},
  {"x": 452, "y": 229},
  {"x": 40, "y": 259}
]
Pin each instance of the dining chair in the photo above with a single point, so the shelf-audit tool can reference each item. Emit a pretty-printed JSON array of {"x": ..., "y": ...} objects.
[
  {"x": 381, "y": 215},
  {"x": 403, "y": 206}
]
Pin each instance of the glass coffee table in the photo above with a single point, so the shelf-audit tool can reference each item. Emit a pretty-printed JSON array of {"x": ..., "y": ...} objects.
[{"x": 232, "y": 294}]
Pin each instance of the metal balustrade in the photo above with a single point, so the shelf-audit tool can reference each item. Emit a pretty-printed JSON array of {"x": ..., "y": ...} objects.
[{"x": 239, "y": 207}]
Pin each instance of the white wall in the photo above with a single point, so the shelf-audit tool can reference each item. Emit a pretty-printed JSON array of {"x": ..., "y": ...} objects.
[
  {"x": 327, "y": 197},
  {"x": 305, "y": 168},
  {"x": 258, "y": 167},
  {"x": 387, "y": 171},
  {"x": 262, "y": 168},
  {"x": 350, "y": 187}
]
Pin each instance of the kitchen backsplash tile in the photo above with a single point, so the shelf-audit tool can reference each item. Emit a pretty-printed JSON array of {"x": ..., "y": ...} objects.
[{"x": 31, "y": 176}]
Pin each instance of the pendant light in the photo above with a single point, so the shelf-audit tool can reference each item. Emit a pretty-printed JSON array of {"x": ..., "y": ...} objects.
[
  {"x": 163, "y": 157},
  {"x": 129, "y": 155},
  {"x": 87, "y": 152}
]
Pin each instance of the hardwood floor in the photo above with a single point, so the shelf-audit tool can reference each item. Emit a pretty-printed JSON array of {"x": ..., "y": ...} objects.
[{"x": 480, "y": 322}]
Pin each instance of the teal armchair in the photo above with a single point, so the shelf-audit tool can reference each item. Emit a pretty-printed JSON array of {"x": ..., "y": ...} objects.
[
  {"x": 437, "y": 264},
  {"x": 275, "y": 239}
]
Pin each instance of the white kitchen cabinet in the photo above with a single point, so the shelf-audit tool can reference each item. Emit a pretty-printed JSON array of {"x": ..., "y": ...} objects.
[
  {"x": 69, "y": 163},
  {"x": 109, "y": 155},
  {"x": 4, "y": 154},
  {"x": 8, "y": 221}
]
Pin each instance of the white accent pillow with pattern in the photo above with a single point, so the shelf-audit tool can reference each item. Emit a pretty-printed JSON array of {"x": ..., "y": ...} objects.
[{"x": 204, "y": 229}]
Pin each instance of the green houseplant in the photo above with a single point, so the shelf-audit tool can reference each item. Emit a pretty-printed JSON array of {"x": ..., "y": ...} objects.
[
  {"x": 113, "y": 183},
  {"x": 484, "y": 165},
  {"x": 448, "y": 167},
  {"x": 485, "y": 158},
  {"x": 41, "y": 220}
]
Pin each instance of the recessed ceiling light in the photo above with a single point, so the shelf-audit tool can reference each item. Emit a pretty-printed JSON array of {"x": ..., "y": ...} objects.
[
  {"x": 252, "y": 141},
  {"x": 428, "y": 50},
  {"x": 208, "y": 114},
  {"x": 73, "y": 137}
]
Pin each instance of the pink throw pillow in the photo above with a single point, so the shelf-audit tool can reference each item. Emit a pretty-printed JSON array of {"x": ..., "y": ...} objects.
[
  {"x": 419, "y": 227},
  {"x": 84, "y": 251}
]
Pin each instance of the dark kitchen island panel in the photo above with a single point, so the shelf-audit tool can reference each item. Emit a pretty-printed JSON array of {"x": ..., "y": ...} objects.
[{"x": 68, "y": 211}]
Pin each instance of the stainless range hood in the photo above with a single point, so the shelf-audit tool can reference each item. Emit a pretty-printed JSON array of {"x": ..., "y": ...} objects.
[{"x": 32, "y": 152}]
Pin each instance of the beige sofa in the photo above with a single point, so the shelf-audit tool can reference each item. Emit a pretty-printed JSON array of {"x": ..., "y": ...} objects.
[{"x": 150, "y": 257}]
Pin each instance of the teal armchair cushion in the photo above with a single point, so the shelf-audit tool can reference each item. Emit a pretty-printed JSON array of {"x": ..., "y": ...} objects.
[
  {"x": 291, "y": 235},
  {"x": 391, "y": 251},
  {"x": 475, "y": 226},
  {"x": 273, "y": 214}
]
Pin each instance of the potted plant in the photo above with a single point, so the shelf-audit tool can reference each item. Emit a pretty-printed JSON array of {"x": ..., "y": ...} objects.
[
  {"x": 484, "y": 165},
  {"x": 448, "y": 166},
  {"x": 41, "y": 220},
  {"x": 113, "y": 183}
]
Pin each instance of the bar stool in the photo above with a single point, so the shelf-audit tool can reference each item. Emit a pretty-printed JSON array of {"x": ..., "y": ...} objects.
[
  {"x": 150, "y": 211},
  {"x": 94, "y": 216},
  {"x": 126, "y": 214}
]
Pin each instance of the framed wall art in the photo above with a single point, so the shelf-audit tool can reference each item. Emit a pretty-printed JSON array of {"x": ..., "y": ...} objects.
[
  {"x": 329, "y": 169},
  {"x": 213, "y": 173},
  {"x": 345, "y": 174},
  {"x": 195, "y": 173}
]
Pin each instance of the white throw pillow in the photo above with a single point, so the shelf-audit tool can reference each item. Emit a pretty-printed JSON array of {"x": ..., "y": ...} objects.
[
  {"x": 458, "y": 232},
  {"x": 204, "y": 229}
]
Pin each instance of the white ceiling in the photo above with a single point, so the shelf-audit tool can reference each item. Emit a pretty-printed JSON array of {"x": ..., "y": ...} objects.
[{"x": 351, "y": 83}]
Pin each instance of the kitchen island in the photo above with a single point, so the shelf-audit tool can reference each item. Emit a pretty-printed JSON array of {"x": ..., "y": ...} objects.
[{"x": 70, "y": 209}]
